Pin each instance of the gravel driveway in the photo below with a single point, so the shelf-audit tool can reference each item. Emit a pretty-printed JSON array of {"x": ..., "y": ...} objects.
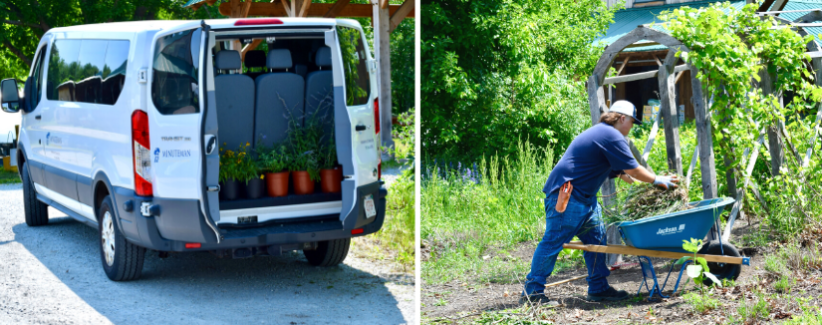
[{"x": 52, "y": 275}]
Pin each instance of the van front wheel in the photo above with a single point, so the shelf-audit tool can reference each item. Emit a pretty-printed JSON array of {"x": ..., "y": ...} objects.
[
  {"x": 328, "y": 253},
  {"x": 122, "y": 261}
]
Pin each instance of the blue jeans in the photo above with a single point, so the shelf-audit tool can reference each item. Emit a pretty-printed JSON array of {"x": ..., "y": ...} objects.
[{"x": 581, "y": 220}]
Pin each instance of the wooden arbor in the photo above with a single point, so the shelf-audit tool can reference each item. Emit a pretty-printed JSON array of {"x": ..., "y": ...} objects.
[
  {"x": 777, "y": 134},
  {"x": 666, "y": 76},
  {"x": 385, "y": 18}
]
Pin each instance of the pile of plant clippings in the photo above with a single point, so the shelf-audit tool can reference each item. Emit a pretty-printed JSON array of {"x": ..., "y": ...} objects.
[{"x": 646, "y": 200}]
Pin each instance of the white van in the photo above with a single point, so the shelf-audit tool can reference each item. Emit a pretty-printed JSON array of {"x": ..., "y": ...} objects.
[{"x": 121, "y": 130}]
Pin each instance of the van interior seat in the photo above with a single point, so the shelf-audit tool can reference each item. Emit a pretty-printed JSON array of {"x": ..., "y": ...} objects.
[
  {"x": 235, "y": 101},
  {"x": 280, "y": 98},
  {"x": 255, "y": 60},
  {"x": 319, "y": 91}
]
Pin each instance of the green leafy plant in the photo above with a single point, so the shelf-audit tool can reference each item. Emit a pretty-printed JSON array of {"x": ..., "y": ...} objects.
[
  {"x": 238, "y": 165},
  {"x": 274, "y": 160},
  {"x": 701, "y": 302},
  {"x": 699, "y": 270},
  {"x": 403, "y": 135},
  {"x": 305, "y": 143},
  {"x": 328, "y": 154}
]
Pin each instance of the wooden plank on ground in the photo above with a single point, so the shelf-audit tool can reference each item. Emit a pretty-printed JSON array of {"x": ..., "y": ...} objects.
[{"x": 628, "y": 250}]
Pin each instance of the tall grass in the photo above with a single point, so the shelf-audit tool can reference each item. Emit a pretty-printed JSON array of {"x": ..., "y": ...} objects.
[{"x": 472, "y": 220}]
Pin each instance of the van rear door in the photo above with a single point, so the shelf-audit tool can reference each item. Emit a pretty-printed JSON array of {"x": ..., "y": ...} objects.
[
  {"x": 356, "y": 129},
  {"x": 176, "y": 120}
]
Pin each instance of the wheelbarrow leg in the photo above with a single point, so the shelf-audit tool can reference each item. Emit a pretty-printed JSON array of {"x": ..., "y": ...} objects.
[{"x": 648, "y": 272}]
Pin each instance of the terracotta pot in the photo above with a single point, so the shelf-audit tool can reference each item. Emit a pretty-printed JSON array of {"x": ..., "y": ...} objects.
[
  {"x": 277, "y": 184},
  {"x": 331, "y": 180},
  {"x": 255, "y": 188},
  {"x": 230, "y": 189},
  {"x": 302, "y": 183}
]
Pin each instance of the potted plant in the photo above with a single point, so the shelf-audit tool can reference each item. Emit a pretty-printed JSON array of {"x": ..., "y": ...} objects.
[
  {"x": 330, "y": 171},
  {"x": 276, "y": 162},
  {"x": 305, "y": 168},
  {"x": 237, "y": 170},
  {"x": 229, "y": 185}
]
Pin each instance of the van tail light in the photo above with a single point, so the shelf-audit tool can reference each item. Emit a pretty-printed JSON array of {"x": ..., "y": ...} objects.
[
  {"x": 142, "y": 153},
  {"x": 377, "y": 115},
  {"x": 379, "y": 170}
]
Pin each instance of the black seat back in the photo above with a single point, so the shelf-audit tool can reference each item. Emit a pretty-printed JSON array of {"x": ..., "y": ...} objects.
[
  {"x": 235, "y": 101},
  {"x": 280, "y": 97},
  {"x": 319, "y": 91}
]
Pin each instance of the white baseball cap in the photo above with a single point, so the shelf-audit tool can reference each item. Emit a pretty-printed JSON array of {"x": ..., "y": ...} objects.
[{"x": 626, "y": 108}]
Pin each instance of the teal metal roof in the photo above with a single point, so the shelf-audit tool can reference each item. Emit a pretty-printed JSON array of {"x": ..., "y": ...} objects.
[
  {"x": 803, "y": 5},
  {"x": 628, "y": 19},
  {"x": 191, "y": 2}
]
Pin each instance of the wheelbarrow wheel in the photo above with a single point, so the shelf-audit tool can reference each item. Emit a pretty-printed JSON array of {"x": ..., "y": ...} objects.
[{"x": 721, "y": 270}]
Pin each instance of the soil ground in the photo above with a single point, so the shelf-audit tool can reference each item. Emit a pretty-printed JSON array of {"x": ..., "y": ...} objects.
[{"x": 465, "y": 302}]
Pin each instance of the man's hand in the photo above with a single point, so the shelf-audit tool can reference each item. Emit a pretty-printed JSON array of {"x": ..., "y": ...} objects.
[{"x": 666, "y": 182}]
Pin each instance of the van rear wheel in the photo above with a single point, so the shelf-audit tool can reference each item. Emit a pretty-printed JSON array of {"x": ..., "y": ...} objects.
[
  {"x": 122, "y": 261},
  {"x": 37, "y": 213},
  {"x": 328, "y": 253}
]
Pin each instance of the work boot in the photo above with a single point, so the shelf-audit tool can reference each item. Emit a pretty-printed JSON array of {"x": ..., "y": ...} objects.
[
  {"x": 610, "y": 294},
  {"x": 537, "y": 299}
]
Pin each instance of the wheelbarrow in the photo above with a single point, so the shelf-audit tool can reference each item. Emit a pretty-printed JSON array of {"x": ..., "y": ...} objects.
[{"x": 662, "y": 236}]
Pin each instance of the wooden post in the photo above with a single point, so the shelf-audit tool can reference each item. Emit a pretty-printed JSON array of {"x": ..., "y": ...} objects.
[
  {"x": 596, "y": 101},
  {"x": 667, "y": 95},
  {"x": 383, "y": 55},
  {"x": 774, "y": 141},
  {"x": 703, "y": 132}
]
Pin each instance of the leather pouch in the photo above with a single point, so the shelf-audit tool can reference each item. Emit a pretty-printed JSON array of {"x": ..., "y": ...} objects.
[{"x": 563, "y": 197}]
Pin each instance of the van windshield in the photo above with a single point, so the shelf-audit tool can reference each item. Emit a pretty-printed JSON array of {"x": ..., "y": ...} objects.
[{"x": 175, "y": 87}]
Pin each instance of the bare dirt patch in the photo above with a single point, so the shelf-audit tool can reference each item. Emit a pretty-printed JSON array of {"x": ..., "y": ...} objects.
[{"x": 461, "y": 302}]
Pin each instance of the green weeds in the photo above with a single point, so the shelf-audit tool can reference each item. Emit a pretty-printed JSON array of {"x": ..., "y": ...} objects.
[
  {"x": 472, "y": 219},
  {"x": 701, "y": 302},
  {"x": 7, "y": 177}
]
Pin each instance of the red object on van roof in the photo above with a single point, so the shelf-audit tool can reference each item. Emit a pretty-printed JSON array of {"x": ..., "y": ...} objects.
[{"x": 258, "y": 21}]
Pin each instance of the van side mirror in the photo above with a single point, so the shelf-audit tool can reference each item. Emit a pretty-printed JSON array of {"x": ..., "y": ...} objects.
[{"x": 10, "y": 96}]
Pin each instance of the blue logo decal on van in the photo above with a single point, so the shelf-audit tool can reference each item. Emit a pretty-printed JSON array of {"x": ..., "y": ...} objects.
[
  {"x": 176, "y": 153},
  {"x": 156, "y": 155},
  {"x": 47, "y": 138}
]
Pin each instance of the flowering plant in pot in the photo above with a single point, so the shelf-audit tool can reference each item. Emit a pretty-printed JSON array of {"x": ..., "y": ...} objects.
[
  {"x": 276, "y": 163},
  {"x": 236, "y": 170}
]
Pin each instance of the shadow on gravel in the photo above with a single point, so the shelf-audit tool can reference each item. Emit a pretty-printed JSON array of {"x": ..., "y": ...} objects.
[{"x": 200, "y": 288}]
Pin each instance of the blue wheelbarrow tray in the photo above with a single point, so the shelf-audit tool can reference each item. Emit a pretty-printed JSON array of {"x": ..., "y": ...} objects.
[{"x": 666, "y": 232}]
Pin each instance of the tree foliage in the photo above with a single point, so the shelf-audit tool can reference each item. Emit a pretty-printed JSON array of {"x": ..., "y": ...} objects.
[
  {"x": 498, "y": 70},
  {"x": 733, "y": 49}
]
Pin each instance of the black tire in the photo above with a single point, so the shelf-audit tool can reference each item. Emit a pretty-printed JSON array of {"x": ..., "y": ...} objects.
[
  {"x": 126, "y": 261},
  {"x": 721, "y": 270},
  {"x": 328, "y": 253},
  {"x": 37, "y": 213}
]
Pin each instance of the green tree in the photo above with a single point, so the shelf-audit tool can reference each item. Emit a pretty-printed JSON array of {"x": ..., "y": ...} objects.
[{"x": 498, "y": 70}]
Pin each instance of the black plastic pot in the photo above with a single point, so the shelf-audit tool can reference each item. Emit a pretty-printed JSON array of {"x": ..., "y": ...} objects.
[
  {"x": 255, "y": 188},
  {"x": 231, "y": 189}
]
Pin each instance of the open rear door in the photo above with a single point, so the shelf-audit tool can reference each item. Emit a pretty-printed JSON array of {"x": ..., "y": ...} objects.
[
  {"x": 355, "y": 125},
  {"x": 210, "y": 197}
]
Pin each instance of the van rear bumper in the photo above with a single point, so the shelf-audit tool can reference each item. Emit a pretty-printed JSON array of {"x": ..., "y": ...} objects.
[{"x": 181, "y": 221}]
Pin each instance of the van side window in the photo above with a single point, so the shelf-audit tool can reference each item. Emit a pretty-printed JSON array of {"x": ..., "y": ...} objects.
[
  {"x": 37, "y": 79},
  {"x": 174, "y": 85},
  {"x": 357, "y": 80},
  {"x": 87, "y": 71}
]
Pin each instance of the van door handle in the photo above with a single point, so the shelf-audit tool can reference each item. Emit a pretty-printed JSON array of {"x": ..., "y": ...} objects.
[
  {"x": 360, "y": 128},
  {"x": 37, "y": 117}
]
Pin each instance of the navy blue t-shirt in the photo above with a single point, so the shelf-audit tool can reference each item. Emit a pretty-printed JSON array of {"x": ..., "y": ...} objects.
[{"x": 598, "y": 152}]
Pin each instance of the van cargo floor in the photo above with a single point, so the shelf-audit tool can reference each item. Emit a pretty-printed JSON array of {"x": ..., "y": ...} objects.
[{"x": 279, "y": 201}]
